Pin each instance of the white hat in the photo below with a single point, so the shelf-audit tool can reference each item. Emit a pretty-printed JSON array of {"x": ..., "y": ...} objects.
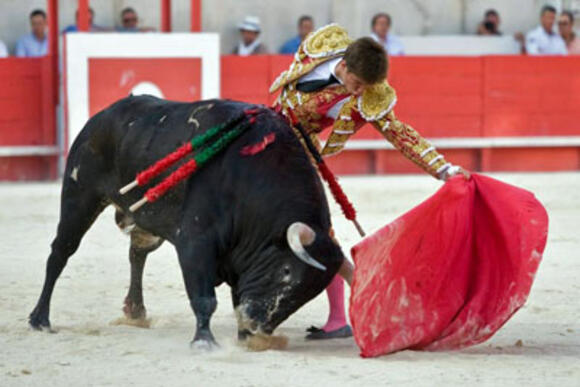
[{"x": 250, "y": 23}]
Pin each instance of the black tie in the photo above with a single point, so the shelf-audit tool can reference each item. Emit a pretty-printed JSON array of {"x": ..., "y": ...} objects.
[{"x": 319, "y": 84}]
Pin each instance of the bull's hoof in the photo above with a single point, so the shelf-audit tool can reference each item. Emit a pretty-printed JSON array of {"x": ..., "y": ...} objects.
[
  {"x": 39, "y": 322},
  {"x": 204, "y": 345},
  {"x": 134, "y": 311},
  {"x": 204, "y": 341}
]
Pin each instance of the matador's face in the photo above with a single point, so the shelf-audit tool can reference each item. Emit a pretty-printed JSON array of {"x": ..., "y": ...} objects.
[{"x": 354, "y": 84}]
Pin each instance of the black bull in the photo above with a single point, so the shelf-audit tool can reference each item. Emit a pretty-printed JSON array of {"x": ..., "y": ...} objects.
[{"x": 242, "y": 220}]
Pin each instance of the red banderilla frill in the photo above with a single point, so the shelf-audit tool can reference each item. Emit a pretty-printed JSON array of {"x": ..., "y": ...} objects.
[{"x": 194, "y": 164}]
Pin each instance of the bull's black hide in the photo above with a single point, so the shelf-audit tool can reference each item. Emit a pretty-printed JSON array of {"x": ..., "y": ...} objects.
[{"x": 228, "y": 223}]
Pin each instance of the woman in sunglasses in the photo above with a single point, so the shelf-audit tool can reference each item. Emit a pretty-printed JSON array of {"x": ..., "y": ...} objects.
[{"x": 566, "y": 28}]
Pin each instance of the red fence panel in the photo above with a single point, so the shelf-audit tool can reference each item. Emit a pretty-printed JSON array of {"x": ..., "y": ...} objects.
[
  {"x": 439, "y": 96},
  {"x": 245, "y": 78},
  {"x": 21, "y": 102},
  {"x": 531, "y": 96},
  {"x": 27, "y": 116}
]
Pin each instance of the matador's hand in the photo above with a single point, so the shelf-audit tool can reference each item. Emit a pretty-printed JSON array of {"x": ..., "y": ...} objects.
[{"x": 454, "y": 170}]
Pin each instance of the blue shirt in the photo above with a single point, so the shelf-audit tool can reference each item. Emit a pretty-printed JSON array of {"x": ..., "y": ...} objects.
[
  {"x": 291, "y": 46},
  {"x": 28, "y": 45},
  {"x": 74, "y": 28}
]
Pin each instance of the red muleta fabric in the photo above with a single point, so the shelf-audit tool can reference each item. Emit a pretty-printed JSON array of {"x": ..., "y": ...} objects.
[{"x": 450, "y": 272}]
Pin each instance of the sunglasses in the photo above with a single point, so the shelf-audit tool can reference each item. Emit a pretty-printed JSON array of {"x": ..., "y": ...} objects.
[{"x": 129, "y": 19}]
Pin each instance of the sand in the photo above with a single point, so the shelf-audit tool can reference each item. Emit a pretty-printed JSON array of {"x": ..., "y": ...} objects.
[{"x": 539, "y": 346}]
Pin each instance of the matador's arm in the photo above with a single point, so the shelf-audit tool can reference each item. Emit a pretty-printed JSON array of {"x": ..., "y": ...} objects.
[{"x": 410, "y": 143}]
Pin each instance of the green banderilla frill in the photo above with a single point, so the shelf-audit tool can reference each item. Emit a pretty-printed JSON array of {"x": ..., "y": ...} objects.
[{"x": 198, "y": 160}]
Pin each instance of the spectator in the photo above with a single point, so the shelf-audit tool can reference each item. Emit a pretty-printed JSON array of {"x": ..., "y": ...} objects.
[
  {"x": 130, "y": 22},
  {"x": 566, "y": 27},
  {"x": 250, "y": 38},
  {"x": 3, "y": 50},
  {"x": 305, "y": 26},
  {"x": 35, "y": 43},
  {"x": 92, "y": 27},
  {"x": 543, "y": 40},
  {"x": 381, "y": 25},
  {"x": 490, "y": 23}
]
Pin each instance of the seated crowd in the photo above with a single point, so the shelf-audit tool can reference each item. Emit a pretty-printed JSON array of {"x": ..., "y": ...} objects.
[
  {"x": 35, "y": 43},
  {"x": 545, "y": 39}
]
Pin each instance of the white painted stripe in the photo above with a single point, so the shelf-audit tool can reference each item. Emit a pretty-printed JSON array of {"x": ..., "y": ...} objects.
[
  {"x": 479, "y": 142},
  {"x": 18, "y": 151},
  {"x": 338, "y": 131},
  {"x": 424, "y": 153},
  {"x": 386, "y": 125},
  {"x": 443, "y": 168},
  {"x": 435, "y": 159}
]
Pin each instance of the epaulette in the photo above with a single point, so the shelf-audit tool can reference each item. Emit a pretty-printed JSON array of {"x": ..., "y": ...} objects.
[
  {"x": 326, "y": 43},
  {"x": 377, "y": 101}
]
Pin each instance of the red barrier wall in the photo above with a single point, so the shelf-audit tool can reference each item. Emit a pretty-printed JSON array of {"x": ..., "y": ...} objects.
[
  {"x": 27, "y": 116},
  {"x": 490, "y": 96},
  {"x": 440, "y": 96}
]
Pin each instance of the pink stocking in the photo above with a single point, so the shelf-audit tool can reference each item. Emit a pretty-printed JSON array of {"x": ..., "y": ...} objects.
[{"x": 337, "y": 316}]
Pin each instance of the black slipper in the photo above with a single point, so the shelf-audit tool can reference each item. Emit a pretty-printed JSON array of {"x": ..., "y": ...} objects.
[
  {"x": 313, "y": 329},
  {"x": 339, "y": 333}
]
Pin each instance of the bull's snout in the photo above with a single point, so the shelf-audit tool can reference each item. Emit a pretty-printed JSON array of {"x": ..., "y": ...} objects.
[{"x": 254, "y": 331}]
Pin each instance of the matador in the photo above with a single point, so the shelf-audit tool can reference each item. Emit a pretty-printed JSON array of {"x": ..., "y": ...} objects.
[{"x": 336, "y": 82}]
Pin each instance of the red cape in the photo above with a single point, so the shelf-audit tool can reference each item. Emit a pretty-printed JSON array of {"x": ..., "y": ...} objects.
[{"x": 450, "y": 272}]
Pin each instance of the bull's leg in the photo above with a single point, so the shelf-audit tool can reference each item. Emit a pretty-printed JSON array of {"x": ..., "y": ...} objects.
[
  {"x": 198, "y": 265},
  {"x": 243, "y": 333},
  {"x": 142, "y": 243},
  {"x": 79, "y": 210}
]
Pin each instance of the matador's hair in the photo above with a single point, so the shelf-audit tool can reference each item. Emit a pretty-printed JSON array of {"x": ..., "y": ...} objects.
[{"x": 367, "y": 59}]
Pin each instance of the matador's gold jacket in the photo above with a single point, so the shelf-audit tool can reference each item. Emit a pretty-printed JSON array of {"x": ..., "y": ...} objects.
[{"x": 375, "y": 105}]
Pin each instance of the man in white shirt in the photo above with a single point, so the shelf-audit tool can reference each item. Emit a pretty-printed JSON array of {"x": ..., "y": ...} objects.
[
  {"x": 250, "y": 43},
  {"x": 543, "y": 40},
  {"x": 3, "y": 50},
  {"x": 381, "y": 25}
]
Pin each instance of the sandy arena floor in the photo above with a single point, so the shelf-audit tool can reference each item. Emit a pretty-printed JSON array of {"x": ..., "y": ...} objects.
[{"x": 540, "y": 346}]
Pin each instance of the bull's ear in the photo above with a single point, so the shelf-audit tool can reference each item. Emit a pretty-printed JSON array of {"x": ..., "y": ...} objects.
[{"x": 326, "y": 249}]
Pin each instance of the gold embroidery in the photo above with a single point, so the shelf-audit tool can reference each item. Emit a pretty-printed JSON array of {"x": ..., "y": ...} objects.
[
  {"x": 411, "y": 144},
  {"x": 343, "y": 128},
  {"x": 377, "y": 101},
  {"x": 328, "y": 40},
  {"x": 327, "y": 43}
]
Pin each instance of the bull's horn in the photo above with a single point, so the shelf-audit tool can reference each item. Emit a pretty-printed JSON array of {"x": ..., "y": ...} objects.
[{"x": 298, "y": 236}]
